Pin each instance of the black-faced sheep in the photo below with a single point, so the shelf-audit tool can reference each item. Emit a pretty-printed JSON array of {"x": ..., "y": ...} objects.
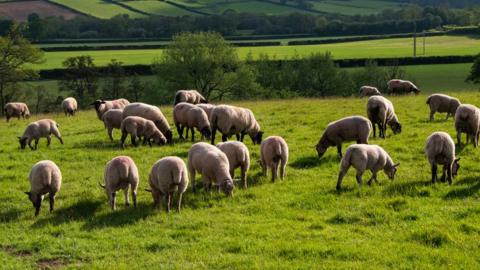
[
  {"x": 443, "y": 104},
  {"x": 121, "y": 173},
  {"x": 45, "y": 177},
  {"x": 207, "y": 107},
  {"x": 380, "y": 111},
  {"x": 368, "y": 91},
  {"x": 274, "y": 152},
  {"x": 152, "y": 113},
  {"x": 16, "y": 109},
  {"x": 231, "y": 120},
  {"x": 112, "y": 119},
  {"x": 467, "y": 120},
  {"x": 397, "y": 86},
  {"x": 102, "y": 106},
  {"x": 191, "y": 117},
  {"x": 440, "y": 150},
  {"x": 139, "y": 127},
  {"x": 40, "y": 129}
]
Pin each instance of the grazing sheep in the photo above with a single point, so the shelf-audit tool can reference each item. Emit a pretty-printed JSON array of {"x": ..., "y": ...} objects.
[
  {"x": 45, "y": 177},
  {"x": 189, "y": 96},
  {"x": 274, "y": 151},
  {"x": 168, "y": 175},
  {"x": 40, "y": 129},
  {"x": 366, "y": 157},
  {"x": 69, "y": 106},
  {"x": 151, "y": 113},
  {"x": 212, "y": 164},
  {"x": 121, "y": 173},
  {"x": 16, "y": 109},
  {"x": 353, "y": 128},
  {"x": 141, "y": 127},
  {"x": 443, "y": 104},
  {"x": 381, "y": 112},
  {"x": 230, "y": 120},
  {"x": 238, "y": 157},
  {"x": 112, "y": 119},
  {"x": 207, "y": 107},
  {"x": 102, "y": 106},
  {"x": 467, "y": 120},
  {"x": 396, "y": 86},
  {"x": 368, "y": 91},
  {"x": 440, "y": 149},
  {"x": 191, "y": 116}
]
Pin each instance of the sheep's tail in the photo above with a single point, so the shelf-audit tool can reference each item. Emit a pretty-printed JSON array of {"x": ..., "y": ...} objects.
[
  {"x": 177, "y": 178},
  {"x": 277, "y": 156},
  {"x": 123, "y": 172},
  {"x": 345, "y": 163},
  {"x": 464, "y": 116},
  {"x": 122, "y": 126},
  {"x": 213, "y": 120},
  {"x": 428, "y": 100}
]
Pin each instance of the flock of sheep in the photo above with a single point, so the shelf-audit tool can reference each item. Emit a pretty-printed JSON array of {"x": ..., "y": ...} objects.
[{"x": 216, "y": 163}]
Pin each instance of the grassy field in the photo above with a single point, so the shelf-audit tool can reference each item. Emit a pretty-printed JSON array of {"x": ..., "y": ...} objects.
[
  {"x": 357, "y": 7},
  {"x": 398, "y": 47},
  {"x": 98, "y": 8},
  {"x": 301, "y": 222},
  {"x": 158, "y": 8}
]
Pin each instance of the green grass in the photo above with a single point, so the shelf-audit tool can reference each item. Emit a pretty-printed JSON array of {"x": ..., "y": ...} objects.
[
  {"x": 357, "y": 7},
  {"x": 158, "y": 8},
  {"x": 397, "y": 47},
  {"x": 98, "y": 8},
  {"x": 298, "y": 223},
  {"x": 250, "y": 7}
]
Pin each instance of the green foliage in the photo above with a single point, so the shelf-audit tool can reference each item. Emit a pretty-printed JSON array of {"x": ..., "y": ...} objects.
[
  {"x": 474, "y": 76},
  {"x": 81, "y": 79},
  {"x": 114, "y": 86}
]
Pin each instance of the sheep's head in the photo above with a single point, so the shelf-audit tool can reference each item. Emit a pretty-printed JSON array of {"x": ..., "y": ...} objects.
[
  {"x": 455, "y": 167},
  {"x": 227, "y": 187},
  {"x": 97, "y": 103},
  {"x": 391, "y": 171},
  {"x": 206, "y": 132},
  {"x": 415, "y": 90},
  {"x": 36, "y": 201},
  {"x": 396, "y": 127},
  {"x": 322, "y": 147},
  {"x": 256, "y": 137},
  {"x": 159, "y": 139},
  {"x": 168, "y": 135},
  {"x": 23, "y": 142}
]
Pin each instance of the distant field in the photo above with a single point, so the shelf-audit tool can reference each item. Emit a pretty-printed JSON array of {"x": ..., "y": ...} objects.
[
  {"x": 398, "y": 47},
  {"x": 20, "y": 10},
  {"x": 356, "y": 7},
  {"x": 251, "y": 7},
  {"x": 158, "y": 8},
  {"x": 97, "y": 8}
]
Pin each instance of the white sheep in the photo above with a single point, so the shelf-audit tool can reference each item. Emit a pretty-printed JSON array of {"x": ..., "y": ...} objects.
[
  {"x": 40, "y": 129},
  {"x": 366, "y": 157},
  {"x": 212, "y": 164},
  {"x": 381, "y": 112},
  {"x": 16, "y": 109},
  {"x": 274, "y": 152},
  {"x": 152, "y": 113},
  {"x": 238, "y": 157},
  {"x": 45, "y": 177},
  {"x": 189, "y": 96},
  {"x": 69, "y": 106},
  {"x": 397, "y": 86},
  {"x": 207, "y": 107},
  {"x": 368, "y": 91},
  {"x": 112, "y": 119},
  {"x": 230, "y": 120},
  {"x": 440, "y": 149},
  {"x": 442, "y": 103},
  {"x": 467, "y": 120},
  {"x": 140, "y": 127},
  {"x": 121, "y": 173},
  {"x": 168, "y": 174},
  {"x": 191, "y": 117},
  {"x": 102, "y": 106}
]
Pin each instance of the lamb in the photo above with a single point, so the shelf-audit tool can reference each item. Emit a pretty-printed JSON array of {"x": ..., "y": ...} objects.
[
  {"x": 397, "y": 86},
  {"x": 440, "y": 149},
  {"x": 353, "y": 128},
  {"x": 16, "y": 109},
  {"x": 189, "y": 96},
  {"x": 45, "y": 177},
  {"x": 467, "y": 120},
  {"x": 380, "y": 111},
  {"x": 238, "y": 157},
  {"x": 442, "y": 103},
  {"x": 191, "y": 116},
  {"x": 138, "y": 127},
  {"x": 121, "y": 173},
  {"x": 102, "y": 106},
  {"x": 168, "y": 175},
  {"x": 207, "y": 107},
  {"x": 151, "y": 113},
  {"x": 368, "y": 91},
  {"x": 40, "y": 129},
  {"x": 363, "y": 157},
  {"x": 212, "y": 164},
  {"x": 112, "y": 119},
  {"x": 231, "y": 120},
  {"x": 274, "y": 151},
  {"x": 69, "y": 106}
]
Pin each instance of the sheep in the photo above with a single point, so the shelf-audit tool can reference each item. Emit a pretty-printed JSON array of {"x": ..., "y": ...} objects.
[
  {"x": 137, "y": 127},
  {"x": 69, "y": 106},
  {"x": 121, "y": 173},
  {"x": 381, "y": 112},
  {"x": 112, "y": 119},
  {"x": 238, "y": 157},
  {"x": 274, "y": 151},
  {"x": 397, "y": 86},
  {"x": 40, "y": 129},
  {"x": 212, "y": 164},
  {"x": 467, "y": 120},
  {"x": 151, "y": 113},
  {"x": 231, "y": 120},
  {"x": 368, "y": 91},
  {"x": 440, "y": 149},
  {"x": 363, "y": 157},
  {"x": 353, "y": 128},
  {"x": 168, "y": 175},
  {"x": 102, "y": 106},
  {"x": 45, "y": 177},
  {"x": 207, "y": 107},
  {"x": 191, "y": 116},
  {"x": 189, "y": 96},
  {"x": 16, "y": 109},
  {"x": 442, "y": 103}
]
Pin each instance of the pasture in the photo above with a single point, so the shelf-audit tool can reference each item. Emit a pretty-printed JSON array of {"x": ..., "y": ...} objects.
[
  {"x": 301, "y": 222},
  {"x": 383, "y": 48},
  {"x": 98, "y": 8}
]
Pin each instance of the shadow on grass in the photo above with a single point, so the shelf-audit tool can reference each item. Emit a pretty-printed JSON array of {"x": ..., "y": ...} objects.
[
  {"x": 10, "y": 215},
  {"x": 414, "y": 189},
  {"x": 308, "y": 162},
  {"x": 105, "y": 144},
  {"x": 81, "y": 210},
  {"x": 120, "y": 217},
  {"x": 472, "y": 188}
]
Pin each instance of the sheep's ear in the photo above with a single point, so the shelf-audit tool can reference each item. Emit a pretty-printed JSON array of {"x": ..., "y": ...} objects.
[
  {"x": 102, "y": 186},
  {"x": 396, "y": 165},
  {"x": 457, "y": 159},
  {"x": 19, "y": 138},
  {"x": 102, "y": 102},
  {"x": 148, "y": 190},
  {"x": 28, "y": 193}
]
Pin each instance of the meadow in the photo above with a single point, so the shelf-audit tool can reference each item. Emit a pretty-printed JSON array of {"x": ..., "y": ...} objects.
[
  {"x": 383, "y": 48},
  {"x": 301, "y": 222},
  {"x": 98, "y": 8}
]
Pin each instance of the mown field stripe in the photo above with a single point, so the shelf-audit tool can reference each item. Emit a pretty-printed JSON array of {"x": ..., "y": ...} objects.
[{"x": 120, "y": 4}]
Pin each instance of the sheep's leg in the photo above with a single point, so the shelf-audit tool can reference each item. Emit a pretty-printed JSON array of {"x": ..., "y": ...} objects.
[
  {"x": 169, "y": 201},
  {"x": 244, "y": 176},
  {"x": 274, "y": 171},
  {"x": 179, "y": 130},
  {"x": 110, "y": 134},
  {"x": 8, "y": 118},
  {"x": 192, "y": 179},
  {"x": 125, "y": 192},
  {"x": 30, "y": 144},
  {"x": 444, "y": 170},
  {"x": 57, "y": 135},
  {"x": 459, "y": 138},
  {"x": 36, "y": 143},
  {"x": 434, "y": 173},
  {"x": 341, "y": 174},
  {"x": 359, "y": 177},
  {"x": 179, "y": 203},
  {"x": 449, "y": 174},
  {"x": 112, "y": 200},
  {"x": 122, "y": 140},
  {"x": 212, "y": 139},
  {"x": 264, "y": 167},
  {"x": 242, "y": 136},
  {"x": 224, "y": 138},
  {"x": 52, "y": 201},
  {"x": 432, "y": 115},
  {"x": 134, "y": 195},
  {"x": 373, "y": 178},
  {"x": 339, "y": 149},
  {"x": 374, "y": 126},
  {"x": 38, "y": 205},
  {"x": 238, "y": 136},
  {"x": 49, "y": 140},
  {"x": 283, "y": 164},
  {"x": 192, "y": 130},
  {"x": 446, "y": 118},
  {"x": 475, "y": 140},
  {"x": 133, "y": 139}
]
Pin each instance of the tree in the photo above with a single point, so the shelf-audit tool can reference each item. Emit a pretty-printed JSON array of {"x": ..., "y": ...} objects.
[
  {"x": 35, "y": 27},
  {"x": 16, "y": 57},
  {"x": 136, "y": 88},
  {"x": 115, "y": 78},
  {"x": 81, "y": 78},
  {"x": 474, "y": 76},
  {"x": 203, "y": 61}
]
